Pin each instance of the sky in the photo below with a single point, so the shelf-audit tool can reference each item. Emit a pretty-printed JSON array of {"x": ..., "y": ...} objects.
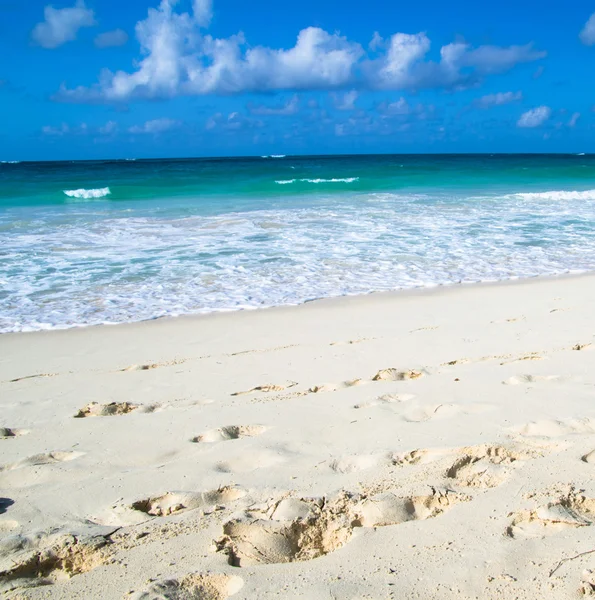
[{"x": 90, "y": 79}]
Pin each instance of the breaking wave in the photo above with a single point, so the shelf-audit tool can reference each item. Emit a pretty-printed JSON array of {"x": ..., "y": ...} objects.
[
  {"x": 343, "y": 180},
  {"x": 88, "y": 194}
]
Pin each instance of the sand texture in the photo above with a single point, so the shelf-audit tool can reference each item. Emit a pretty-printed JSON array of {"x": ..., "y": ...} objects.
[{"x": 430, "y": 445}]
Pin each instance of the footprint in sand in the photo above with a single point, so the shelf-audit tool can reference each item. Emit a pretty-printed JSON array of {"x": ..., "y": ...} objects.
[
  {"x": 383, "y": 375},
  {"x": 231, "y": 432},
  {"x": 108, "y": 410},
  {"x": 294, "y": 529},
  {"x": 42, "y": 559},
  {"x": 420, "y": 457},
  {"x": 42, "y": 459},
  {"x": 6, "y": 432},
  {"x": 267, "y": 387},
  {"x": 358, "y": 462},
  {"x": 195, "y": 586},
  {"x": 167, "y": 504},
  {"x": 486, "y": 466},
  {"x": 579, "y": 347},
  {"x": 557, "y": 428},
  {"x": 568, "y": 512}
]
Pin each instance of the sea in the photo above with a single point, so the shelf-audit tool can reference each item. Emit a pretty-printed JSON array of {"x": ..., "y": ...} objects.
[{"x": 112, "y": 241}]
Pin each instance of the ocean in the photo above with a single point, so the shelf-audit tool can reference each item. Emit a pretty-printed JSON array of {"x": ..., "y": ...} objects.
[{"x": 90, "y": 242}]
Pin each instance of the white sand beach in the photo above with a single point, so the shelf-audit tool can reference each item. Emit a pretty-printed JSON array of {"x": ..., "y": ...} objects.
[{"x": 435, "y": 445}]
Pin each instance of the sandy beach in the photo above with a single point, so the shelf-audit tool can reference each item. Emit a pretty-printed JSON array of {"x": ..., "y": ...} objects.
[{"x": 433, "y": 445}]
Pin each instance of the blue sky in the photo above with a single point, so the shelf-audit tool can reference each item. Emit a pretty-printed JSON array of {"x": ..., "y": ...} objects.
[{"x": 149, "y": 78}]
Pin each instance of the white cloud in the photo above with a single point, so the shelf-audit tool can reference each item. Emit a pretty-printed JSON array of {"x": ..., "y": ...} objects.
[
  {"x": 498, "y": 99},
  {"x": 65, "y": 129},
  {"x": 346, "y": 101},
  {"x": 50, "y": 130},
  {"x": 203, "y": 12},
  {"x": 538, "y": 72},
  {"x": 587, "y": 34},
  {"x": 573, "y": 120},
  {"x": 377, "y": 42},
  {"x": 110, "y": 39},
  {"x": 400, "y": 107},
  {"x": 535, "y": 117},
  {"x": 155, "y": 126},
  {"x": 232, "y": 122},
  {"x": 404, "y": 66},
  {"x": 109, "y": 128},
  {"x": 291, "y": 107},
  {"x": 178, "y": 58},
  {"x": 62, "y": 25}
]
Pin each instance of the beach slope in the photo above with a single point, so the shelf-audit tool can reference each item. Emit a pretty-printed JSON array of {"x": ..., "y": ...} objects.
[{"x": 433, "y": 445}]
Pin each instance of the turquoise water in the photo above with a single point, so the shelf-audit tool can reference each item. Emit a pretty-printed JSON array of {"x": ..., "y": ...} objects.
[{"x": 112, "y": 241}]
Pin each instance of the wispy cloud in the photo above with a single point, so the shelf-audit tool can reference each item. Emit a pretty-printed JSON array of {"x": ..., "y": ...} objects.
[
  {"x": 498, "y": 99},
  {"x": 110, "y": 128},
  {"x": 573, "y": 120},
  {"x": 154, "y": 126},
  {"x": 587, "y": 34},
  {"x": 111, "y": 39},
  {"x": 62, "y": 25},
  {"x": 291, "y": 107},
  {"x": 232, "y": 122},
  {"x": 345, "y": 101},
  {"x": 64, "y": 129},
  {"x": 535, "y": 117},
  {"x": 179, "y": 58}
]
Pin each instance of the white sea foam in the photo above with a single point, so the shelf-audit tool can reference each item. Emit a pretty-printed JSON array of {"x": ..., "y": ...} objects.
[
  {"x": 88, "y": 194},
  {"x": 557, "y": 195},
  {"x": 88, "y": 266},
  {"x": 343, "y": 180},
  {"x": 10, "y": 162}
]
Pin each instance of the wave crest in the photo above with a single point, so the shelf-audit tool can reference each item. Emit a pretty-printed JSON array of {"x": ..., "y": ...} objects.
[
  {"x": 340, "y": 180},
  {"x": 88, "y": 194}
]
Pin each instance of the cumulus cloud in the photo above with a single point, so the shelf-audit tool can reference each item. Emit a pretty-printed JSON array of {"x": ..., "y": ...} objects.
[
  {"x": 346, "y": 101},
  {"x": 155, "y": 126},
  {"x": 498, "y": 99},
  {"x": 587, "y": 34},
  {"x": 404, "y": 65},
  {"x": 573, "y": 120},
  {"x": 62, "y": 25},
  {"x": 535, "y": 117},
  {"x": 180, "y": 58},
  {"x": 110, "y": 39},
  {"x": 400, "y": 107},
  {"x": 291, "y": 107}
]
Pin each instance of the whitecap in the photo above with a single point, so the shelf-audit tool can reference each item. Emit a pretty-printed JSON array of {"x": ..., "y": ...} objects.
[
  {"x": 338, "y": 180},
  {"x": 285, "y": 181},
  {"x": 88, "y": 194}
]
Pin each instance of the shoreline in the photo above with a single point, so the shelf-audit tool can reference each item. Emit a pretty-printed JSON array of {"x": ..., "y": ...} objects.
[{"x": 392, "y": 294}]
